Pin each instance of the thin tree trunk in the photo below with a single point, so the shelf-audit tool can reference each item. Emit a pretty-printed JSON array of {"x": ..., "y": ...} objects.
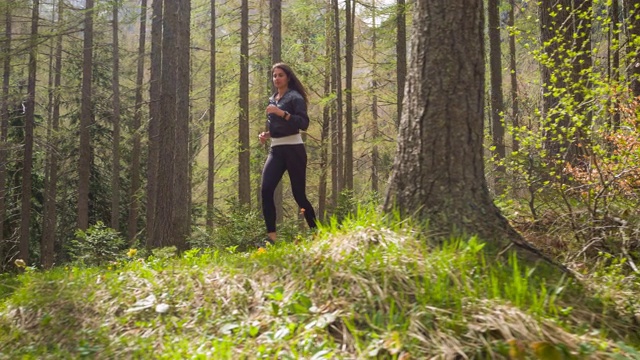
[
  {"x": 275, "y": 16},
  {"x": 375, "y": 153},
  {"x": 326, "y": 118},
  {"x": 155, "y": 114},
  {"x": 338, "y": 89},
  {"x": 115, "y": 175},
  {"x": 401, "y": 54},
  {"x": 497, "y": 102},
  {"x": 181, "y": 218},
  {"x": 134, "y": 202},
  {"x": 633, "y": 11},
  {"x": 614, "y": 58},
  {"x": 49, "y": 226},
  {"x": 84, "y": 166},
  {"x": 4, "y": 125},
  {"x": 244, "y": 183},
  {"x": 515, "y": 112},
  {"x": 348, "y": 151},
  {"x": 212, "y": 121},
  {"x": 29, "y": 120}
]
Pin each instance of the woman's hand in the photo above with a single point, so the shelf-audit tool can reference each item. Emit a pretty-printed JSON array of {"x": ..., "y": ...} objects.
[
  {"x": 264, "y": 136},
  {"x": 272, "y": 109}
]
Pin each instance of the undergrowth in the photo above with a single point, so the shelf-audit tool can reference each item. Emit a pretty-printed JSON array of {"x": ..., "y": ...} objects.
[{"x": 365, "y": 287}]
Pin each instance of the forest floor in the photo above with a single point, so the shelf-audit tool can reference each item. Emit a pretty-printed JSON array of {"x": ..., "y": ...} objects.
[{"x": 364, "y": 289}]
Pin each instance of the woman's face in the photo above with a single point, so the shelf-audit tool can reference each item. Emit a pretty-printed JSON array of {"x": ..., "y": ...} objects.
[{"x": 280, "y": 78}]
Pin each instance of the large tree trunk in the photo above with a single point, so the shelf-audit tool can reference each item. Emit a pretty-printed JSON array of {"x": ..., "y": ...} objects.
[
  {"x": 614, "y": 58},
  {"x": 244, "y": 166},
  {"x": 211, "y": 171},
  {"x": 49, "y": 226},
  {"x": 115, "y": 84},
  {"x": 155, "y": 113},
  {"x": 438, "y": 173},
  {"x": 497, "y": 103},
  {"x": 134, "y": 202},
  {"x": 4, "y": 126},
  {"x": 181, "y": 218},
  {"x": 163, "y": 225},
  {"x": 29, "y": 120},
  {"x": 84, "y": 165},
  {"x": 401, "y": 54}
]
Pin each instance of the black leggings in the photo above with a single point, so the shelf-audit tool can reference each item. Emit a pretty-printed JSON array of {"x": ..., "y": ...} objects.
[{"x": 293, "y": 159}]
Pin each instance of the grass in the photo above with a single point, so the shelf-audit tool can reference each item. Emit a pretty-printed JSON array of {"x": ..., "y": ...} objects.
[{"x": 368, "y": 287}]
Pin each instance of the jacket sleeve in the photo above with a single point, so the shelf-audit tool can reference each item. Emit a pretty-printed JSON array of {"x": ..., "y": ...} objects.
[{"x": 299, "y": 114}]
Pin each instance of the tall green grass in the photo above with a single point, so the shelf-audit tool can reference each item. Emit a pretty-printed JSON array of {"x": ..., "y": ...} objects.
[{"x": 371, "y": 285}]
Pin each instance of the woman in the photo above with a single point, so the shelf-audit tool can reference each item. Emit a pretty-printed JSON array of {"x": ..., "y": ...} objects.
[{"x": 286, "y": 116}]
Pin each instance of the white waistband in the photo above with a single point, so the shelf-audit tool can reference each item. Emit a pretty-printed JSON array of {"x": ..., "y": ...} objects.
[{"x": 294, "y": 139}]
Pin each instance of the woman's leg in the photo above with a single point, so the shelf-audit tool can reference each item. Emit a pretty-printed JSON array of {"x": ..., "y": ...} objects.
[
  {"x": 272, "y": 172},
  {"x": 297, "y": 169}
]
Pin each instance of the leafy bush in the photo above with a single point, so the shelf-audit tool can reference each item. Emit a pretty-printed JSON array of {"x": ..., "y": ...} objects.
[{"x": 96, "y": 246}]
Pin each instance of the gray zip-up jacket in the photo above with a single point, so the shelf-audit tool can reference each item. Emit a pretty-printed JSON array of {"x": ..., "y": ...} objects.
[{"x": 293, "y": 103}]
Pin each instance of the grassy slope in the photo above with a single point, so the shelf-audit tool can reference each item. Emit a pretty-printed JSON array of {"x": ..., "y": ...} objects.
[{"x": 364, "y": 291}]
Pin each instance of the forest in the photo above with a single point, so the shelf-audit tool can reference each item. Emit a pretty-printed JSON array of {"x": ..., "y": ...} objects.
[{"x": 493, "y": 144}]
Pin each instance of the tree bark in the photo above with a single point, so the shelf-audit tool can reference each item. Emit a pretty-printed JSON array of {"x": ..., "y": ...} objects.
[
  {"x": 348, "y": 135},
  {"x": 84, "y": 165},
  {"x": 244, "y": 175},
  {"x": 181, "y": 218},
  {"x": 49, "y": 226},
  {"x": 164, "y": 230},
  {"x": 134, "y": 195},
  {"x": 212, "y": 121},
  {"x": 633, "y": 11},
  {"x": 438, "y": 173},
  {"x": 115, "y": 84},
  {"x": 401, "y": 54},
  {"x": 155, "y": 113},
  {"x": 275, "y": 16},
  {"x": 4, "y": 124},
  {"x": 497, "y": 102},
  {"x": 29, "y": 121},
  {"x": 339, "y": 164},
  {"x": 515, "y": 112}
]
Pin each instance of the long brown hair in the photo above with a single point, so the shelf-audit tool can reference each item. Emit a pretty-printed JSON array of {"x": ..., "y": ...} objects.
[{"x": 294, "y": 82}]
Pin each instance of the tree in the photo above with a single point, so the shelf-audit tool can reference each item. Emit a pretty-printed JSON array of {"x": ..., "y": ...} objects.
[
  {"x": 515, "y": 112},
  {"x": 275, "y": 17},
  {"x": 438, "y": 173},
  {"x": 337, "y": 153},
  {"x": 84, "y": 166},
  {"x": 401, "y": 54},
  {"x": 632, "y": 8},
  {"x": 375, "y": 153},
  {"x": 212, "y": 120},
  {"x": 134, "y": 202},
  {"x": 4, "y": 122},
  {"x": 244, "y": 175},
  {"x": 181, "y": 218},
  {"x": 115, "y": 85},
  {"x": 497, "y": 103},
  {"x": 164, "y": 232},
  {"x": 29, "y": 121},
  {"x": 49, "y": 225},
  {"x": 348, "y": 136},
  {"x": 155, "y": 113}
]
